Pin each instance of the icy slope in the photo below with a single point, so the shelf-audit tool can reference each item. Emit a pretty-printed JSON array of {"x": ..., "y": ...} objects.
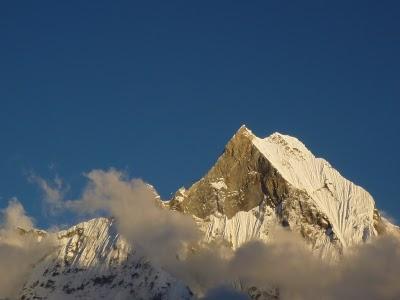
[
  {"x": 92, "y": 262},
  {"x": 348, "y": 207}
]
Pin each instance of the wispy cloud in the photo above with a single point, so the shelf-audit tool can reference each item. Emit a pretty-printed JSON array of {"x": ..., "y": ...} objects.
[{"x": 53, "y": 191}]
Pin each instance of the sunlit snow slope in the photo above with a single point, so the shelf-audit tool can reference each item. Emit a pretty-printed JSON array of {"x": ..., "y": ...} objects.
[{"x": 348, "y": 207}]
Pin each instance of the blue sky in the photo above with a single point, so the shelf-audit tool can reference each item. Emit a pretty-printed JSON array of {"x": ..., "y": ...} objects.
[{"x": 157, "y": 88}]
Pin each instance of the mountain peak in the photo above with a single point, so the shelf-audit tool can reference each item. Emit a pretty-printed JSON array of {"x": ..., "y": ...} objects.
[
  {"x": 243, "y": 130},
  {"x": 300, "y": 190}
]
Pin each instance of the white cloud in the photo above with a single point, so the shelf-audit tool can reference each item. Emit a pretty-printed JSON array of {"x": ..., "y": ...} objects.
[{"x": 19, "y": 248}]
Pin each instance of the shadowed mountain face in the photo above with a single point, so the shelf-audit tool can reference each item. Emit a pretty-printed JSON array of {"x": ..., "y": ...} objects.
[
  {"x": 240, "y": 180},
  {"x": 256, "y": 185}
]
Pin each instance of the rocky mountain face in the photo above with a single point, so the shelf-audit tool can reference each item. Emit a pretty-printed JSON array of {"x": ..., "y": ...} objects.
[{"x": 255, "y": 185}]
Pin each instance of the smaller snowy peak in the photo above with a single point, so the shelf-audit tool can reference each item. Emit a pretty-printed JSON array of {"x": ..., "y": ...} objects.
[{"x": 92, "y": 261}]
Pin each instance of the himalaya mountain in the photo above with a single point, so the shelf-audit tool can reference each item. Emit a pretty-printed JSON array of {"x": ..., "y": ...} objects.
[{"x": 255, "y": 184}]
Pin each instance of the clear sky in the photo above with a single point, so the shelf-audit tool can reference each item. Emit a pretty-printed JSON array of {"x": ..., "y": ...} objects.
[{"x": 156, "y": 88}]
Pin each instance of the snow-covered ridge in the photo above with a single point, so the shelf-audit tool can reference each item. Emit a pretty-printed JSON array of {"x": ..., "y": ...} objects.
[{"x": 348, "y": 207}]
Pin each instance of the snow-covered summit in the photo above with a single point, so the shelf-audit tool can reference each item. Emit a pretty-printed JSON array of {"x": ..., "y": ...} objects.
[{"x": 292, "y": 186}]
